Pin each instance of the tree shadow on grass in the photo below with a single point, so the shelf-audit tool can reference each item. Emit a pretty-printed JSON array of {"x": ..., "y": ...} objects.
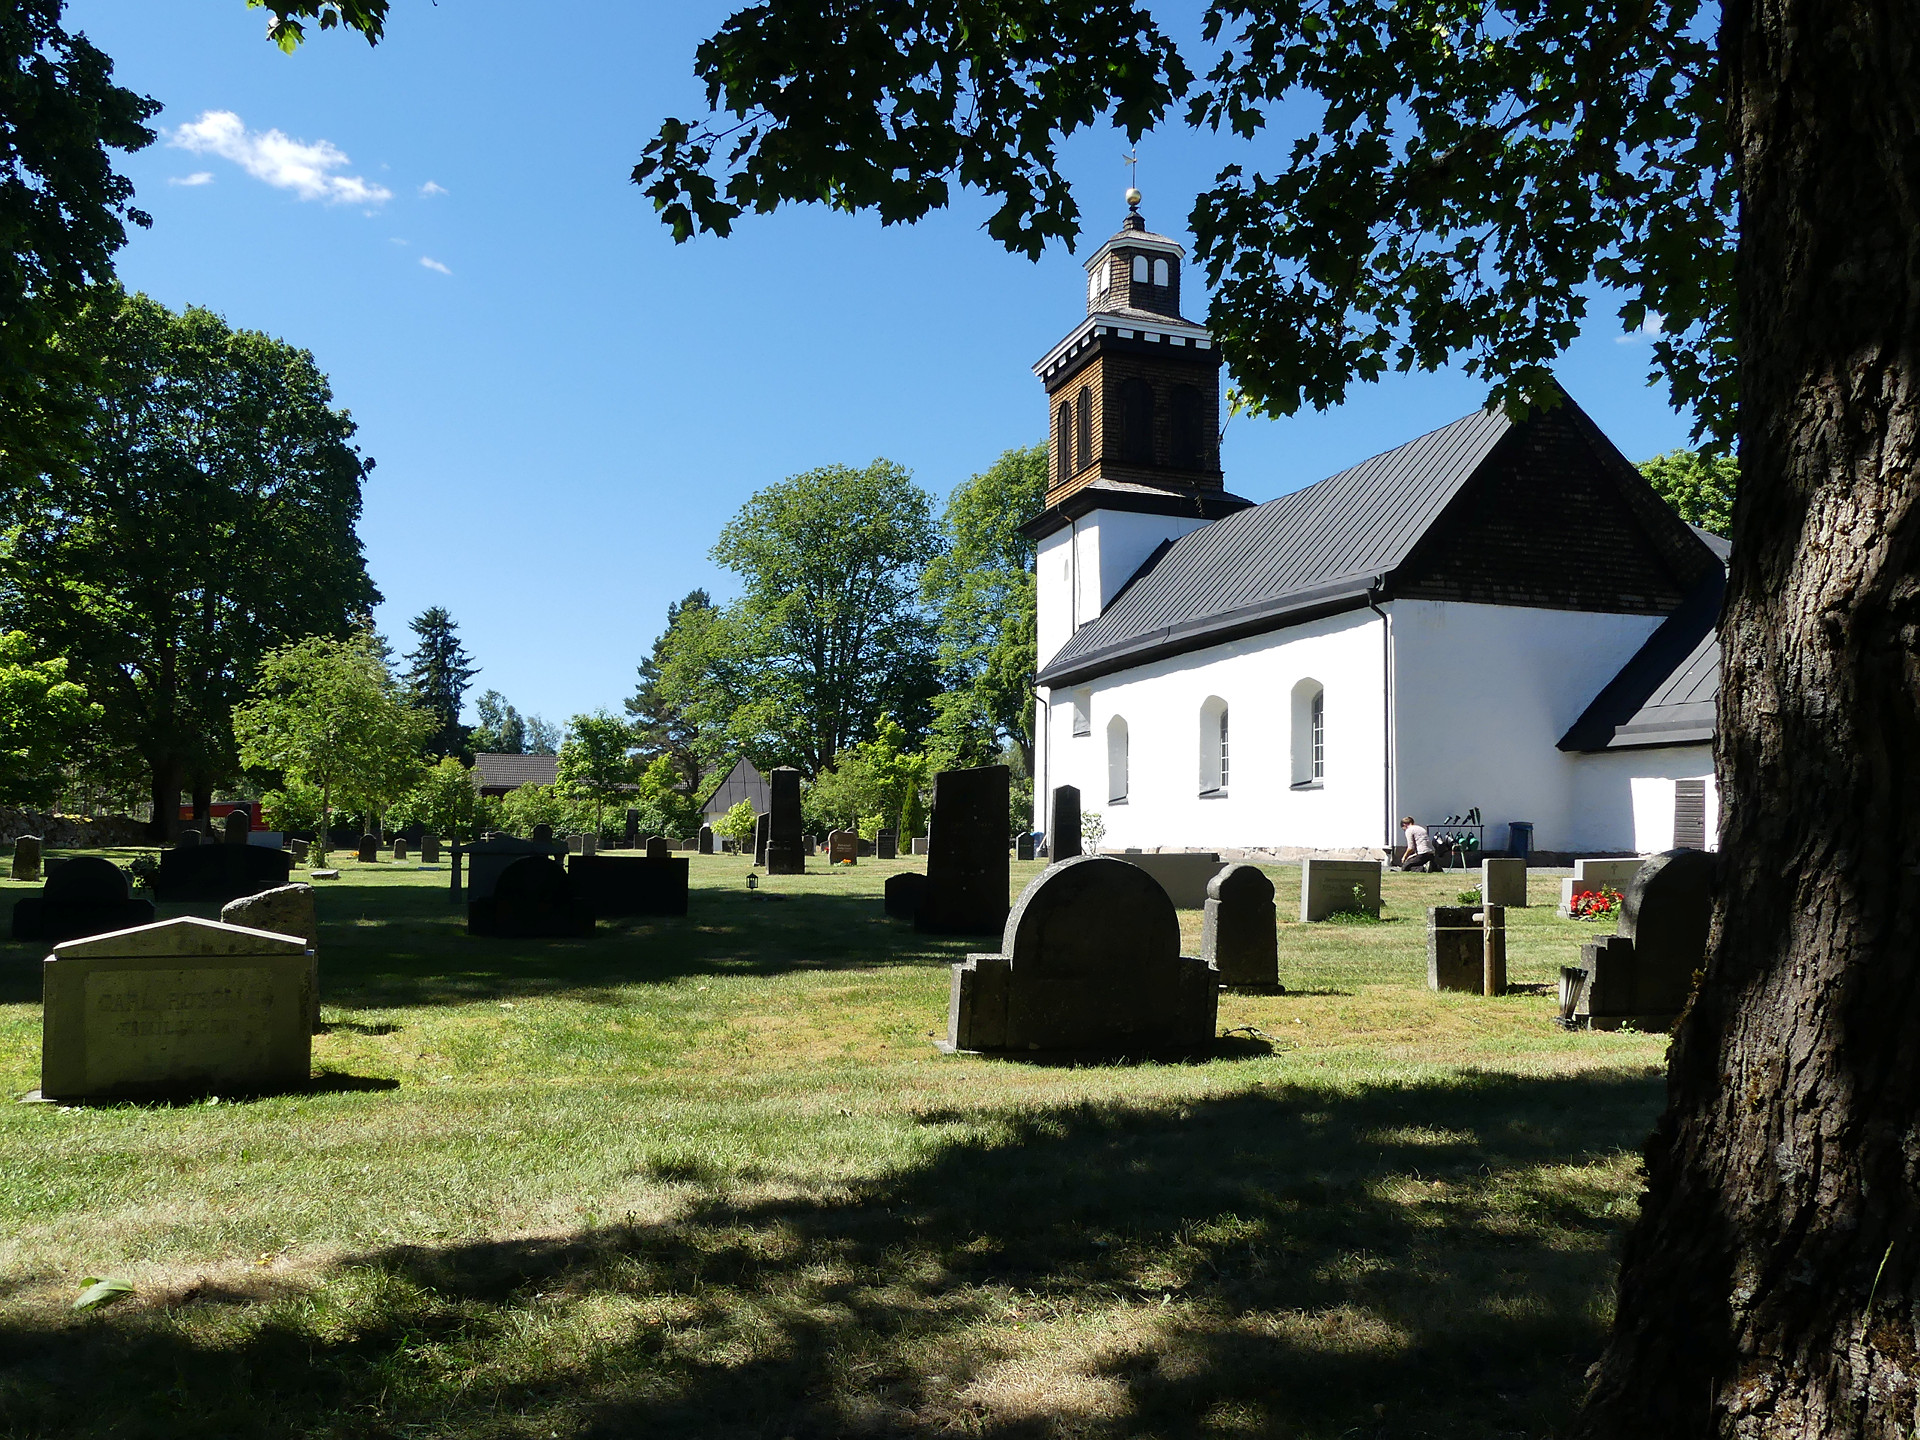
[{"x": 1427, "y": 1260}]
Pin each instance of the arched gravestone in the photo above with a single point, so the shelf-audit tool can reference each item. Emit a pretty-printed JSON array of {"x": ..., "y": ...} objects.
[
  {"x": 235, "y": 827},
  {"x": 1239, "y": 931},
  {"x": 532, "y": 900},
  {"x": 85, "y": 896},
  {"x": 706, "y": 839},
  {"x": 903, "y": 894},
  {"x": 1644, "y": 972},
  {"x": 1090, "y": 965},
  {"x": 220, "y": 872}
]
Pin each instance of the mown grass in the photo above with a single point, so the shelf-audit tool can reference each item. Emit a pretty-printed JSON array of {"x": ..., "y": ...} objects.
[{"x": 708, "y": 1177}]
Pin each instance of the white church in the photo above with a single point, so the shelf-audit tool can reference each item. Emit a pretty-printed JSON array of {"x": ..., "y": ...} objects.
[{"x": 1494, "y": 617}]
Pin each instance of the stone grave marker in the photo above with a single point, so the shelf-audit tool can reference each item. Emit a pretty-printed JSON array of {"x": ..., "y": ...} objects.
[
  {"x": 369, "y": 850},
  {"x": 627, "y": 885},
  {"x": 26, "y": 858},
  {"x": 299, "y": 849},
  {"x": 429, "y": 849},
  {"x": 919, "y": 846},
  {"x": 589, "y": 844},
  {"x": 903, "y": 894},
  {"x": 1644, "y": 973},
  {"x": 188, "y": 837},
  {"x": 573, "y": 845},
  {"x": 1089, "y": 964},
  {"x": 762, "y": 832},
  {"x": 542, "y": 834},
  {"x": 1063, "y": 830},
  {"x": 706, "y": 839},
  {"x": 1023, "y": 847},
  {"x": 633, "y": 830},
  {"x": 886, "y": 845},
  {"x": 786, "y": 852},
  {"x": 1327, "y": 886},
  {"x": 219, "y": 872},
  {"x": 969, "y": 865},
  {"x": 1239, "y": 932},
  {"x": 284, "y": 910},
  {"x": 1596, "y": 875},
  {"x": 183, "y": 1007},
  {"x": 1504, "y": 882},
  {"x": 1184, "y": 875},
  {"x": 532, "y": 899},
  {"x": 85, "y": 895},
  {"x": 235, "y": 828},
  {"x": 842, "y": 845},
  {"x": 1464, "y": 942},
  {"x": 399, "y": 847},
  {"x": 658, "y": 848}
]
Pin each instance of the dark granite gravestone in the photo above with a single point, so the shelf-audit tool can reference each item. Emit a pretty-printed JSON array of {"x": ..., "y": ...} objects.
[
  {"x": 1239, "y": 931},
  {"x": 633, "y": 830},
  {"x": 26, "y": 858},
  {"x": 1090, "y": 965},
  {"x": 574, "y": 847},
  {"x": 843, "y": 846},
  {"x": 542, "y": 834},
  {"x": 1023, "y": 846},
  {"x": 83, "y": 896},
  {"x": 369, "y": 850},
  {"x": 299, "y": 851},
  {"x": 762, "y": 832},
  {"x": 532, "y": 899},
  {"x": 886, "y": 845},
  {"x": 399, "y": 847},
  {"x": 863, "y": 848},
  {"x": 429, "y": 849},
  {"x": 220, "y": 872},
  {"x": 969, "y": 868},
  {"x": 630, "y": 884},
  {"x": 1458, "y": 940},
  {"x": 706, "y": 839},
  {"x": 1644, "y": 973},
  {"x": 786, "y": 852},
  {"x": 1063, "y": 831},
  {"x": 188, "y": 837},
  {"x": 658, "y": 848},
  {"x": 903, "y": 894},
  {"x": 234, "y": 829}
]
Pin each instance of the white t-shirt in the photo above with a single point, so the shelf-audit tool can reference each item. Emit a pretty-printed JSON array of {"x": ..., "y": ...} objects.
[{"x": 1417, "y": 840}]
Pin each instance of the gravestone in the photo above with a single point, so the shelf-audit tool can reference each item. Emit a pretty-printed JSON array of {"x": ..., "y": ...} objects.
[
  {"x": 1458, "y": 939},
  {"x": 1239, "y": 933},
  {"x": 886, "y": 845},
  {"x": 26, "y": 858},
  {"x": 429, "y": 849},
  {"x": 589, "y": 844},
  {"x": 625, "y": 885},
  {"x": 786, "y": 852},
  {"x": 903, "y": 894},
  {"x": 1644, "y": 973},
  {"x": 969, "y": 868},
  {"x": 1184, "y": 876},
  {"x": 486, "y": 859},
  {"x": 633, "y": 830},
  {"x": 1063, "y": 831},
  {"x": 1597, "y": 875},
  {"x": 1327, "y": 886},
  {"x": 185, "y": 1006},
  {"x": 843, "y": 847},
  {"x": 866, "y": 848},
  {"x": 272, "y": 839},
  {"x": 235, "y": 827},
  {"x": 1023, "y": 847},
  {"x": 188, "y": 837},
  {"x": 369, "y": 850},
  {"x": 284, "y": 910},
  {"x": 1090, "y": 965},
  {"x": 919, "y": 846},
  {"x": 399, "y": 847},
  {"x": 542, "y": 834},
  {"x": 299, "y": 849},
  {"x": 573, "y": 845},
  {"x": 706, "y": 839},
  {"x": 532, "y": 899},
  {"x": 762, "y": 832},
  {"x": 83, "y": 896},
  {"x": 1504, "y": 882},
  {"x": 219, "y": 872},
  {"x": 658, "y": 848}
]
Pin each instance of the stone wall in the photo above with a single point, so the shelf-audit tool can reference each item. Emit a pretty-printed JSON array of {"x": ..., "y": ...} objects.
[{"x": 71, "y": 832}]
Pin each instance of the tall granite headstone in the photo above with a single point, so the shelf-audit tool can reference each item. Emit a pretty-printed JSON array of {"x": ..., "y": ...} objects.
[
  {"x": 1239, "y": 929},
  {"x": 886, "y": 845},
  {"x": 1063, "y": 831},
  {"x": 786, "y": 852},
  {"x": 633, "y": 830},
  {"x": 762, "y": 832},
  {"x": 969, "y": 866}
]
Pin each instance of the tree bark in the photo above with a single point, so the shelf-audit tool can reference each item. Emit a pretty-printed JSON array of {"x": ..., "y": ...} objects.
[
  {"x": 164, "y": 824},
  {"x": 1768, "y": 1289}
]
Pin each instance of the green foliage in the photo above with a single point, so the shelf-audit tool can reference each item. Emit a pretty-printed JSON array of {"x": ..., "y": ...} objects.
[
  {"x": 285, "y": 29},
  {"x": 1093, "y": 829},
  {"x": 438, "y": 673},
  {"x": 501, "y": 731},
  {"x": 596, "y": 764},
  {"x": 294, "y": 805},
  {"x": 209, "y": 521},
  {"x": 442, "y": 803},
  {"x": 98, "y": 1292},
  {"x": 665, "y": 809},
  {"x": 662, "y": 727},
  {"x": 42, "y": 714},
  {"x": 529, "y": 805},
  {"x": 738, "y": 823},
  {"x": 981, "y": 586},
  {"x": 1699, "y": 486},
  {"x": 1463, "y": 179},
  {"x": 876, "y": 784}
]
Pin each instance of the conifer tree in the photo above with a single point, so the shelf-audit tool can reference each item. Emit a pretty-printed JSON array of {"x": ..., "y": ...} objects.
[{"x": 439, "y": 670}]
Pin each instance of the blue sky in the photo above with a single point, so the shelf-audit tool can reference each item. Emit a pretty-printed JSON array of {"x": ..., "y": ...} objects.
[{"x": 565, "y": 407}]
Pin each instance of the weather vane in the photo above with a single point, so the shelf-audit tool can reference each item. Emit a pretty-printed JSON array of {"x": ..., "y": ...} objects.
[{"x": 1132, "y": 161}]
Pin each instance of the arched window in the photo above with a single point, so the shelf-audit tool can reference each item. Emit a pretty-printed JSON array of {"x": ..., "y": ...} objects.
[
  {"x": 1136, "y": 421},
  {"x": 1063, "y": 441},
  {"x": 1309, "y": 735},
  {"x": 1214, "y": 768},
  {"x": 1189, "y": 428},
  {"x": 1116, "y": 761},
  {"x": 1139, "y": 276},
  {"x": 1160, "y": 277},
  {"x": 1083, "y": 427}
]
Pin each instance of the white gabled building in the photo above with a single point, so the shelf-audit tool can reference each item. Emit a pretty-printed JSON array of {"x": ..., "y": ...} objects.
[{"x": 1494, "y": 615}]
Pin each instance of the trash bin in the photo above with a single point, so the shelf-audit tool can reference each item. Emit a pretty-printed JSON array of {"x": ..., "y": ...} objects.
[{"x": 1520, "y": 838}]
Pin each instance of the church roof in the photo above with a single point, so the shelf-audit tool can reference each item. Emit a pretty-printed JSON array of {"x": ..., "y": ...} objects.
[
  {"x": 1544, "y": 512},
  {"x": 508, "y": 772}
]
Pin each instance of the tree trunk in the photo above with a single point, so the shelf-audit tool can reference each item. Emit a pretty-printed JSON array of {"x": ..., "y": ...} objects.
[
  {"x": 202, "y": 805},
  {"x": 164, "y": 824},
  {"x": 1768, "y": 1289}
]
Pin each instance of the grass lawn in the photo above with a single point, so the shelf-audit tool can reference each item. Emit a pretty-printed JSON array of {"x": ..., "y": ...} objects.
[{"x": 709, "y": 1177}]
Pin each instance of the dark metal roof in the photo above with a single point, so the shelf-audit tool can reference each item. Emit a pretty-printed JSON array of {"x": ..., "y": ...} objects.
[
  {"x": 1315, "y": 551},
  {"x": 742, "y": 782},
  {"x": 509, "y": 772},
  {"x": 1667, "y": 693}
]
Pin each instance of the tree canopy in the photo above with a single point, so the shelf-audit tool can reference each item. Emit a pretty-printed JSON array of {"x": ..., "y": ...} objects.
[
  {"x": 438, "y": 673},
  {"x": 661, "y": 726},
  {"x": 42, "y": 714},
  {"x": 1699, "y": 486}
]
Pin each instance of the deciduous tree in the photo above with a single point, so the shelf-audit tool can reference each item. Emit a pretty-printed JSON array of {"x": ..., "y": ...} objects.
[
  {"x": 1698, "y": 485},
  {"x": 42, "y": 714},
  {"x": 595, "y": 766}
]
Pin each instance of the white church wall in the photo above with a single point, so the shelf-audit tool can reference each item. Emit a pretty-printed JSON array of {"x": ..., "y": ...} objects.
[
  {"x": 1483, "y": 694},
  {"x": 1082, "y": 565},
  {"x": 1623, "y": 799},
  {"x": 1162, "y": 705}
]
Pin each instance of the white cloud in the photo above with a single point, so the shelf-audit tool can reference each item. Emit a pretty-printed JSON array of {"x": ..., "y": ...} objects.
[
  {"x": 433, "y": 187},
  {"x": 433, "y": 264},
  {"x": 1654, "y": 325},
  {"x": 199, "y": 177},
  {"x": 304, "y": 167}
]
